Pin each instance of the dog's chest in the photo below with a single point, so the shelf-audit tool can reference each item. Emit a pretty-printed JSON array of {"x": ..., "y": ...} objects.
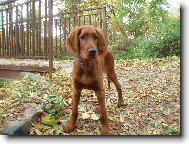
[{"x": 86, "y": 78}]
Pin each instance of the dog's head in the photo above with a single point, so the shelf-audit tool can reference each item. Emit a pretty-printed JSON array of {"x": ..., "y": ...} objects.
[{"x": 87, "y": 42}]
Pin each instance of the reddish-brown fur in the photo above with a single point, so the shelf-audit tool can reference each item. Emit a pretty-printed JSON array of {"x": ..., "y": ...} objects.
[{"x": 88, "y": 70}]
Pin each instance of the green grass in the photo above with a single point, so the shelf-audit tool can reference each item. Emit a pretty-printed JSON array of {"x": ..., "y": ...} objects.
[{"x": 4, "y": 83}]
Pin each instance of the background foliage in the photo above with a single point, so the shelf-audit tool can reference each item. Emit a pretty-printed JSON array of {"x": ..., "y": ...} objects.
[{"x": 136, "y": 28}]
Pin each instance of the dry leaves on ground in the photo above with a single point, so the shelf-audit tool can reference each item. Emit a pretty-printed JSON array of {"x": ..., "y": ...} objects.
[{"x": 151, "y": 90}]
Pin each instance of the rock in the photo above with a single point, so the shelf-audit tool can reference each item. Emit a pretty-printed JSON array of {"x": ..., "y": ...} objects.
[
  {"x": 32, "y": 110},
  {"x": 22, "y": 127},
  {"x": 12, "y": 128},
  {"x": 36, "y": 77}
]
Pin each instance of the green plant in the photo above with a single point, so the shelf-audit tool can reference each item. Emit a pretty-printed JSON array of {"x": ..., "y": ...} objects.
[
  {"x": 4, "y": 83},
  {"x": 53, "y": 104},
  {"x": 165, "y": 41},
  {"x": 130, "y": 52}
]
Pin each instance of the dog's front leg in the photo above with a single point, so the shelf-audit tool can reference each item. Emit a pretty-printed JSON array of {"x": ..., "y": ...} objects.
[
  {"x": 70, "y": 125},
  {"x": 105, "y": 130}
]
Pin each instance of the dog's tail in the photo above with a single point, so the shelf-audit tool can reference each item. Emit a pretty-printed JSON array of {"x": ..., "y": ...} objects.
[{"x": 108, "y": 83}]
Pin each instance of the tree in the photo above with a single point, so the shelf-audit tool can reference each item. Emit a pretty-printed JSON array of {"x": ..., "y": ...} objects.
[{"x": 129, "y": 21}]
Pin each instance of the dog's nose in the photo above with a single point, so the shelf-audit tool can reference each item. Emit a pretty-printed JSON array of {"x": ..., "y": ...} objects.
[{"x": 92, "y": 51}]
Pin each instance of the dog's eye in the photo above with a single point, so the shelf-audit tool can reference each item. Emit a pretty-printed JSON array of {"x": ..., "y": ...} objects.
[{"x": 82, "y": 37}]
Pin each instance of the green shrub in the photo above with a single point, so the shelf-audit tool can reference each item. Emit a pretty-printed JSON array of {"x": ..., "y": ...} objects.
[
  {"x": 164, "y": 42},
  {"x": 129, "y": 52}
]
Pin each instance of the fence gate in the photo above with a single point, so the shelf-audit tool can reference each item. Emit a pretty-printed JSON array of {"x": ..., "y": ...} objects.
[
  {"x": 29, "y": 30},
  {"x": 26, "y": 31}
]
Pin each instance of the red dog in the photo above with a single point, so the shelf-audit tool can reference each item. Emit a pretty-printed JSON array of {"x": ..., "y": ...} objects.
[{"x": 92, "y": 58}]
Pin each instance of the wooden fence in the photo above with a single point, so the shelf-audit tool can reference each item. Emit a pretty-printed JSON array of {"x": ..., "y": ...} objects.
[{"x": 30, "y": 30}]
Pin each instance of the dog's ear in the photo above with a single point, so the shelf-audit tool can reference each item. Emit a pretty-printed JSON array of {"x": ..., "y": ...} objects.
[
  {"x": 72, "y": 42},
  {"x": 102, "y": 45}
]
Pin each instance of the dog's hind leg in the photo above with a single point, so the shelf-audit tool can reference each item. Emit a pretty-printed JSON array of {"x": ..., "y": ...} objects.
[
  {"x": 111, "y": 75},
  {"x": 113, "y": 78}
]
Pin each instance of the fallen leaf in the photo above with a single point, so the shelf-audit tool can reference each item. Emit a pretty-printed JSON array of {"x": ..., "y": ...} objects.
[
  {"x": 121, "y": 118},
  {"x": 3, "y": 95},
  {"x": 46, "y": 127},
  {"x": 94, "y": 117},
  {"x": 167, "y": 119},
  {"x": 111, "y": 118},
  {"x": 85, "y": 115},
  {"x": 97, "y": 131},
  {"x": 168, "y": 130},
  {"x": 48, "y": 121},
  {"x": 38, "y": 132}
]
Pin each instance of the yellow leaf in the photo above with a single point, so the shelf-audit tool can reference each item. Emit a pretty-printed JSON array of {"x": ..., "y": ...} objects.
[
  {"x": 98, "y": 131},
  {"x": 48, "y": 121},
  {"x": 38, "y": 132}
]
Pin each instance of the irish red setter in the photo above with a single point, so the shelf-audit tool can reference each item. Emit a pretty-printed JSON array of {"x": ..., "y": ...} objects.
[{"x": 92, "y": 58}]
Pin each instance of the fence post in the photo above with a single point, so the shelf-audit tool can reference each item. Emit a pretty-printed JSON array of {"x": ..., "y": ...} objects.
[
  {"x": 104, "y": 22},
  {"x": 50, "y": 35}
]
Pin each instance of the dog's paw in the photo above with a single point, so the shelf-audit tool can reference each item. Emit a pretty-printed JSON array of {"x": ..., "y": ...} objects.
[
  {"x": 105, "y": 130},
  {"x": 121, "y": 103},
  {"x": 68, "y": 127}
]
